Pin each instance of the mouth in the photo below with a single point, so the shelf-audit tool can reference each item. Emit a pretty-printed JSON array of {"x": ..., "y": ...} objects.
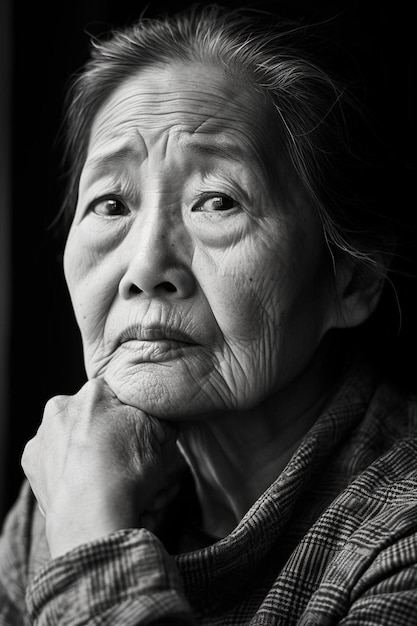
[
  {"x": 155, "y": 334},
  {"x": 155, "y": 343}
]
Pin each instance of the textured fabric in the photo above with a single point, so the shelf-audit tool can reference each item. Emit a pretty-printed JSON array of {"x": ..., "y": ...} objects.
[{"x": 332, "y": 541}]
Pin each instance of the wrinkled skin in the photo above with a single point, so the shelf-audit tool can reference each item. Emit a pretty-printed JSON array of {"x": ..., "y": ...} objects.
[
  {"x": 96, "y": 464},
  {"x": 200, "y": 282},
  {"x": 186, "y": 230}
]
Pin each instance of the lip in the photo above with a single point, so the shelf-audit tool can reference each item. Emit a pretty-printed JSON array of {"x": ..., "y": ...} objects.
[
  {"x": 155, "y": 334},
  {"x": 155, "y": 344}
]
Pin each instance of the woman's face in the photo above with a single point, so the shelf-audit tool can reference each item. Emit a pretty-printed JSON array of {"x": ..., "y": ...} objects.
[{"x": 196, "y": 269}]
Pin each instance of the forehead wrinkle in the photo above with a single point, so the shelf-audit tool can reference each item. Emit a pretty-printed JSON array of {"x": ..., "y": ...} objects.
[
  {"x": 191, "y": 103},
  {"x": 191, "y": 107},
  {"x": 205, "y": 98},
  {"x": 238, "y": 144},
  {"x": 190, "y": 95}
]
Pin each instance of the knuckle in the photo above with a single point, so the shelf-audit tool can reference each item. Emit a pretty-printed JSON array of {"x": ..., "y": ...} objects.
[
  {"x": 54, "y": 407},
  {"x": 95, "y": 390},
  {"x": 27, "y": 455},
  {"x": 56, "y": 403}
]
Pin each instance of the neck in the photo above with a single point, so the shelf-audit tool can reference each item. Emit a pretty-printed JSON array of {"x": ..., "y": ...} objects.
[{"x": 236, "y": 456}]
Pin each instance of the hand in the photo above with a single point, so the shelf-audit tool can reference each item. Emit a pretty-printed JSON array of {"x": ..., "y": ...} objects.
[{"x": 96, "y": 464}]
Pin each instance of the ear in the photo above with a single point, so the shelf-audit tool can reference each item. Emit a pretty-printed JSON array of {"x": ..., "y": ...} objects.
[{"x": 358, "y": 287}]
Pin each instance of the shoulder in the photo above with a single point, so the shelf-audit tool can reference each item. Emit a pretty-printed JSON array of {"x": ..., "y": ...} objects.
[
  {"x": 386, "y": 434},
  {"x": 369, "y": 531}
]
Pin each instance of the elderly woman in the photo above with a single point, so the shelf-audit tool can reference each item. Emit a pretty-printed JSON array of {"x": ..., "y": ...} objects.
[{"x": 232, "y": 459}]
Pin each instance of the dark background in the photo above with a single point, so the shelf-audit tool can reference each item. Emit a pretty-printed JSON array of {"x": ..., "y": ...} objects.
[{"x": 49, "y": 42}]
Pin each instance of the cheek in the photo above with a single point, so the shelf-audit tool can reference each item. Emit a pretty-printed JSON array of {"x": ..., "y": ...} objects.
[
  {"x": 268, "y": 301},
  {"x": 242, "y": 306},
  {"x": 240, "y": 294},
  {"x": 92, "y": 281}
]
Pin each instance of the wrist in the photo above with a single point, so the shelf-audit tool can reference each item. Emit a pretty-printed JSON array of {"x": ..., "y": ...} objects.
[{"x": 73, "y": 523}]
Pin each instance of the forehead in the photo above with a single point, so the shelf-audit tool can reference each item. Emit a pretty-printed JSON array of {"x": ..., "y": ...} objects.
[{"x": 196, "y": 104}]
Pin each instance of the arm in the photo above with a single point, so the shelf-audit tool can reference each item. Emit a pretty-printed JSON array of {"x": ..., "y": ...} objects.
[
  {"x": 95, "y": 467},
  {"x": 14, "y": 558},
  {"x": 124, "y": 578}
]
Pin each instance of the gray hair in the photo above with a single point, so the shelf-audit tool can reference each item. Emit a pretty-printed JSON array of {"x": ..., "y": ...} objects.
[{"x": 313, "y": 109}]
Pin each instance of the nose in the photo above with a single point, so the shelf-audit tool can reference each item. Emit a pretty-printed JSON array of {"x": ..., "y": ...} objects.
[{"x": 157, "y": 263}]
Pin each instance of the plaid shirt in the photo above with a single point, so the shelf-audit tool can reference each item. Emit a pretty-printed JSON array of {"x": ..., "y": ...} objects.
[{"x": 332, "y": 541}]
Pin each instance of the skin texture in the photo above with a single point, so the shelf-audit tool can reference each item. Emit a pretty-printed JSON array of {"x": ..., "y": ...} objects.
[
  {"x": 96, "y": 465},
  {"x": 202, "y": 287},
  {"x": 245, "y": 286}
]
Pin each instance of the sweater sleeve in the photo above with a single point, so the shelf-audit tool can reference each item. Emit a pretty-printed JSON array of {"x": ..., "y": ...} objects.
[
  {"x": 126, "y": 578},
  {"x": 14, "y": 558}
]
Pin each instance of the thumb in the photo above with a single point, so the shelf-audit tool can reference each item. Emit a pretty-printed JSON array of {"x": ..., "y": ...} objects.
[{"x": 166, "y": 433}]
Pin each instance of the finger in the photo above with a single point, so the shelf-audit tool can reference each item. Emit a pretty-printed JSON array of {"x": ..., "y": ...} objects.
[
  {"x": 165, "y": 432},
  {"x": 29, "y": 457}
]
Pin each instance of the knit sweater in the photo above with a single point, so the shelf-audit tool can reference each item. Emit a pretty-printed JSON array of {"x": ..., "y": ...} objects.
[{"x": 332, "y": 541}]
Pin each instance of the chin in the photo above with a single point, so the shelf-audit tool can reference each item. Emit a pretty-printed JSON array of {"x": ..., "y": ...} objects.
[{"x": 159, "y": 391}]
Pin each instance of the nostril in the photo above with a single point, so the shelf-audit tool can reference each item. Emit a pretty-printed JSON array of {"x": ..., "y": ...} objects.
[
  {"x": 166, "y": 286},
  {"x": 161, "y": 288}
]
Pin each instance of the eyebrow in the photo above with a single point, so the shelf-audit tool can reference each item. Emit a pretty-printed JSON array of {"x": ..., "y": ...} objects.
[
  {"x": 107, "y": 159},
  {"x": 224, "y": 150}
]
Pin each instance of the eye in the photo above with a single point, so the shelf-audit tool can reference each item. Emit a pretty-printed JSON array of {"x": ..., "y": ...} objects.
[
  {"x": 215, "y": 203},
  {"x": 109, "y": 207}
]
